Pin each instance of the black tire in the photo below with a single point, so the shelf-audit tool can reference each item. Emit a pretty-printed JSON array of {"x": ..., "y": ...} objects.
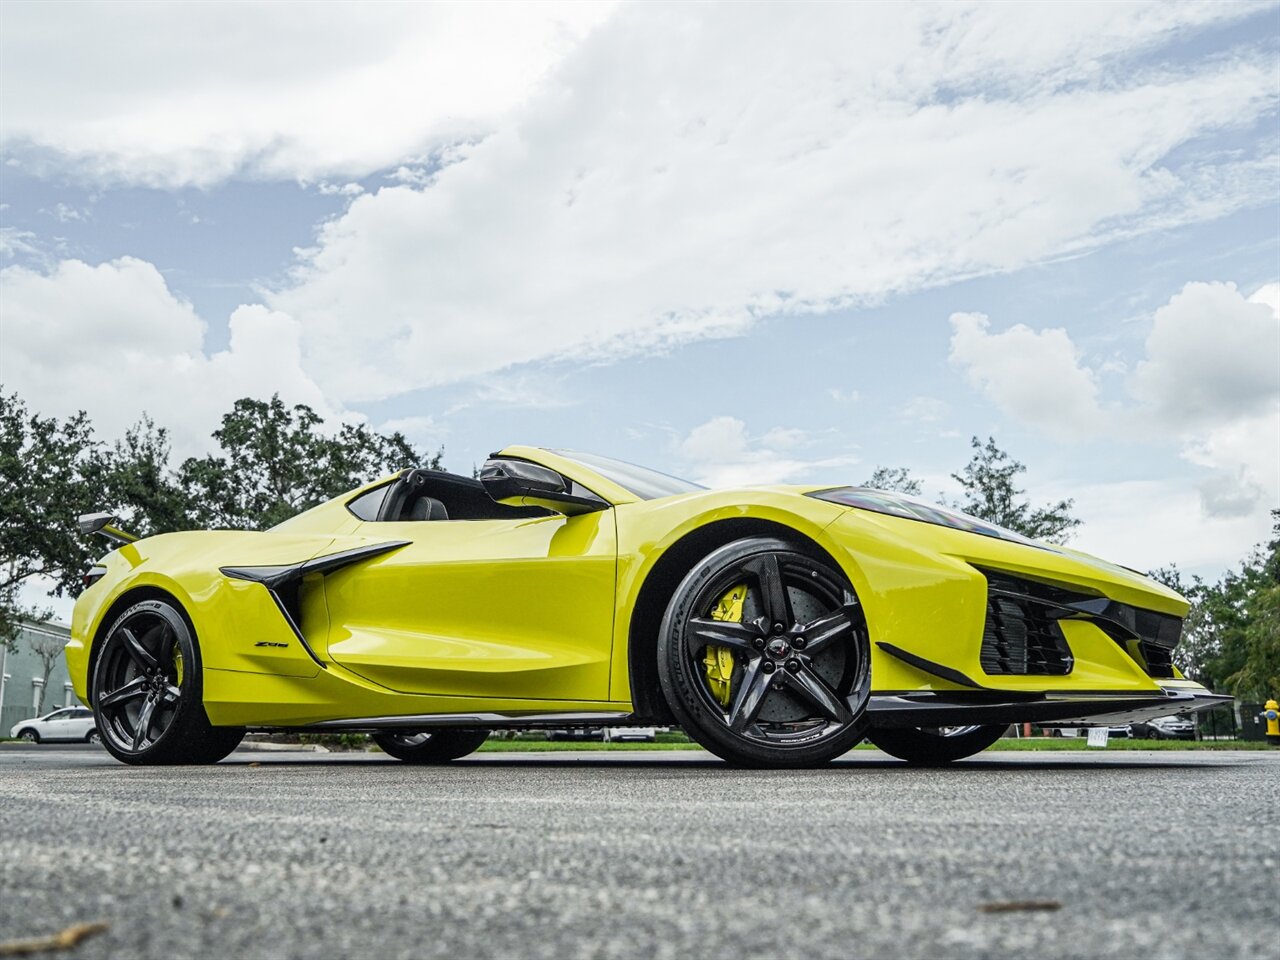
[
  {"x": 429, "y": 746},
  {"x": 147, "y": 691},
  {"x": 93, "y": 736},
  {"x": 29, "y": 735},
  {"x": 936, "y": 745},
  {"x": 801, "y": 675}
]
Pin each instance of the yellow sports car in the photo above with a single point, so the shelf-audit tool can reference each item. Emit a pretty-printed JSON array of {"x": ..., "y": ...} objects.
[{"x": 778, "y": 626}]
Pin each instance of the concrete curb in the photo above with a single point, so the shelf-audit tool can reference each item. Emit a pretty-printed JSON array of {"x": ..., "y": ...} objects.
[{"x": 255, "y": 745}]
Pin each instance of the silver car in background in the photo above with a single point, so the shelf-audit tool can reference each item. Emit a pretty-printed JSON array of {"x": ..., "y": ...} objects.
[{"x": 66, "y": 724}]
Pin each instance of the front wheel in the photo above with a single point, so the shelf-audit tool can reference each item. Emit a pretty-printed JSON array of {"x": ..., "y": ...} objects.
[
  {"x": 430, "y": 746},
  {"x": 93, "y": 736},
  {"x": 934, "y": 745},
  {"x": 764, "y": 658},
  {"x": 29, "y": 735},
  {"x": 147, "y": 691}
]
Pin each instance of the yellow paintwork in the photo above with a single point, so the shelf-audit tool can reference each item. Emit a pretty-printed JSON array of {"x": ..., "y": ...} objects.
[{"x": 534, "y": 614}]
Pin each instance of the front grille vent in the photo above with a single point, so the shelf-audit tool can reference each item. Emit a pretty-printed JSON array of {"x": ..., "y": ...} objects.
[{"x": 1021, "y": 634}]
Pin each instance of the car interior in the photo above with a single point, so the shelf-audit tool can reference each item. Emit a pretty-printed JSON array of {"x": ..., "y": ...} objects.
[{"x": 422, "y": 494}]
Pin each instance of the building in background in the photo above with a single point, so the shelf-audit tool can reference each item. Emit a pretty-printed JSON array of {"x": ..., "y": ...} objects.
[{"x": 23, "y": 688}]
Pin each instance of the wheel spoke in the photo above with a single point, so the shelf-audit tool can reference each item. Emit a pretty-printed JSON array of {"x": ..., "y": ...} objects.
[
  {"x": 811, "y": 687},
  {"x": 752, "y": 692},
  {"x": 170, "y": 694},
  {"x": 137, "y": 652},
  {"x": 134, "y": 688},
  {"x": 774, "y": 602},
  {"x": 825, "y": 631},
  {"x": 144, "y": 721},
  {"x": 720, "y": 633}
]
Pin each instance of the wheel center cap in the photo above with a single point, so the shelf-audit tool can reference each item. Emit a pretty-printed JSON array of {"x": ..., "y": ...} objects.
[{"x": 778, "y": 648}]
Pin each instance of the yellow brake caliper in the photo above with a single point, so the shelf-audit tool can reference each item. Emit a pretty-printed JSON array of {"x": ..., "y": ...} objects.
[{"x": 719, "y": 660}]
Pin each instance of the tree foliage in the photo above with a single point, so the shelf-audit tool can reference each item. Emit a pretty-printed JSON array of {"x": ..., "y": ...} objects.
[
  {"x": 1231, "y": 635},
  {"x": 276, "y": 461},
  {"x": 897, "y": 479},
  {"x": 51, "y": 471},
  {"x": 989, "y": 482}
]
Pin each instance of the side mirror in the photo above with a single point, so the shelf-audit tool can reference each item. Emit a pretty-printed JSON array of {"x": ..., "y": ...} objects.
[{"x": 519, "y": 483}]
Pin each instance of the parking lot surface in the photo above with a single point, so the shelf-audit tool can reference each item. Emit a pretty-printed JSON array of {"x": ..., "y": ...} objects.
[{"x": 651, "y": 855}]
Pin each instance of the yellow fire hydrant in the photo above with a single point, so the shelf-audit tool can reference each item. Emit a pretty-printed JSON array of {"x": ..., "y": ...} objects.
[{"x": 1271, "y": 713}]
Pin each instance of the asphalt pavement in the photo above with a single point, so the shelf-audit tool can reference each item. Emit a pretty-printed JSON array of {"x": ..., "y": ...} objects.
[{"x": 645, "y": 855}]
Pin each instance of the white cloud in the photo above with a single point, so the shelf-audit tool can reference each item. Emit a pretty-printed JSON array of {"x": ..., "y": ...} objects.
[
  {"x": 1034, "y": 376},
  {"x": 115, "y": 340},
  {"x": 193, "y": 93},
  {"x": 1209, "y": 382},
  {"x": 1146, "y": 524},
  {"x": 721, "y": 453},
  {"x": 925, "y": 409},
  {"x": 1211, "y": 355},
  {"x": 689, "y": 169}
]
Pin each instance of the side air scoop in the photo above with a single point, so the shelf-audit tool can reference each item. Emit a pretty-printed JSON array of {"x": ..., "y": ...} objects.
[{"x": 284, "y": 581}]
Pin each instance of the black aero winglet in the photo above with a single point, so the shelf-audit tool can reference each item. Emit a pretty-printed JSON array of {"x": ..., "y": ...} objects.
[
  {"x": 275, "y": 576},
  {"x": 928, "y": 666},
  {"x": 282, "y": 580}
]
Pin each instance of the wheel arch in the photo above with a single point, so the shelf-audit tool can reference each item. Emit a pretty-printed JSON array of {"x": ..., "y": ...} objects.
[
  {"x": 660, "y": 583},
  {"x": 118, "y": 606}
]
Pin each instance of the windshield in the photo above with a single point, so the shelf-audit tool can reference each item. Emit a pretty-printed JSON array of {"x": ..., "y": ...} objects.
[{"x": 644, "y": 483}]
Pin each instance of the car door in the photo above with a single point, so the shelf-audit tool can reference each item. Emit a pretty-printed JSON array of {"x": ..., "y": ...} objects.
[
  {"x": 56, "y": 726},
  {"x": 518, "y": 608}
]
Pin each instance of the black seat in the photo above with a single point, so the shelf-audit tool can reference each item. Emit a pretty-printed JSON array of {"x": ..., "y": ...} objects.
[{"x": 428, "y": 508}]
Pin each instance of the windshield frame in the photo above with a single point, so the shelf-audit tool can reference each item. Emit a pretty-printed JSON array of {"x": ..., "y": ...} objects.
[{"x": 655, "y": 484}]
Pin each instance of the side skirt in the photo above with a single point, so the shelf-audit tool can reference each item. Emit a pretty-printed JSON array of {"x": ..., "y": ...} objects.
[{"x": 963, "y": 707}]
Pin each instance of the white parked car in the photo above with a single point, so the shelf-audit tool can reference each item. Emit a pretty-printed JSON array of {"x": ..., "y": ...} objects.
[{"x": 65, "y": 723}]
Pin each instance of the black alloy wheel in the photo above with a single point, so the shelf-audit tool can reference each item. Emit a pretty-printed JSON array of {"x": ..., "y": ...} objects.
[
  {"x": 429, "y": 746},
  {"x": 936, "y": 745},
  {"x": 147, "y": 689},
  {"x": 800, "y": 678}
]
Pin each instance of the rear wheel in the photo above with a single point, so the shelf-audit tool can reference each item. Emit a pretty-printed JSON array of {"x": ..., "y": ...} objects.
[
  {"x": 93, "y": 736},
  {"x": 430, "y": 746},
  {"x": 763, "y": 656},
  {"x": 147, "y": 691},
  {"x": 933, "y": 745}
]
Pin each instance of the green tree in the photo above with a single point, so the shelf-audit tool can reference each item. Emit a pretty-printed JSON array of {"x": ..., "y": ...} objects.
[
  {"x": 989, "y": 482},
  {"x": 277, "y": 461},
  {"x": 51, "y": 471},
  {"x": 143, "y": 489},
  {"x": 1258, "y": 677},
  {"x": 898, "y": 479},
  {"x": 1231, "y": 634}
]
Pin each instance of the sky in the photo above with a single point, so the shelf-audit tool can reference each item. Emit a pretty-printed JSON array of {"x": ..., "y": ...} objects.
[{"x": 752, "y": 243}]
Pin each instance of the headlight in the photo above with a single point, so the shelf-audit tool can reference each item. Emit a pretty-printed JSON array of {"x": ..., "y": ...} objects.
[{"x": 909, "y": 508}]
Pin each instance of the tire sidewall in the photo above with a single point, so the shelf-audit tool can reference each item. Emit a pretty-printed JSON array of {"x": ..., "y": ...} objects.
[{"x": 678, "y": 678}]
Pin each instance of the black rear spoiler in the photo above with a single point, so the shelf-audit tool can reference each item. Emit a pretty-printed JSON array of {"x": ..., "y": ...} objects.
[{"x": 104, "y": 525}]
